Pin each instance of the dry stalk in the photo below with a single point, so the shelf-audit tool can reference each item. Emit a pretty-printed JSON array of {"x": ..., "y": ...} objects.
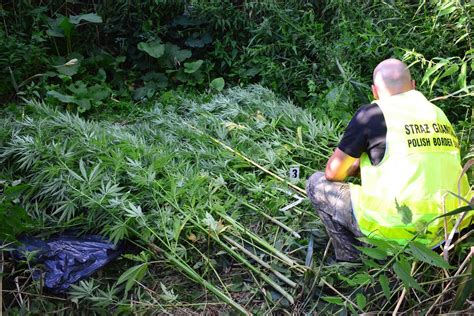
[
  {"x": 468, "y": 234},
  {"x": 445, "y": 222},
  {"x": 404, "y": 292},
  {"x": 315, "y": 281},
  {"x": 399, "y": 302},
  {"x": 341, "y": 295},
  {"x": 260, "y": 261},
  {"x": 461, "y": 268},
  {"x": 20, "y": 297},
  {"x": 466, "y": 167},
  {"x": 270, "y": 218},
  {"x": 57, "y": 298},
  {"x": 451, "y": 236}
]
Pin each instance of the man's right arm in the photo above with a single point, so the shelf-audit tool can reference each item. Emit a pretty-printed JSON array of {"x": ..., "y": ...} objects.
[
  {"x": 354, "y": 170},
  {"x": 344, "y": 161},
  {"x": 340, "y": 165}
]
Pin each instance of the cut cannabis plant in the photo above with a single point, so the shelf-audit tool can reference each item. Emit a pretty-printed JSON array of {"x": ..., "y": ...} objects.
[{"x": 200, "y": 188}]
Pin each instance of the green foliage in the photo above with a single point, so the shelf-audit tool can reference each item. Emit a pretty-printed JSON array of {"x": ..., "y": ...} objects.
[
  {"x": 374, "y": 253},
  {"x": 133, "y": 275},
  {"x": 150, "y": 178},
  {"x": 333, "y": 300},
  {"x": 157, "y": 182},
  {"x": 404, "y": 212},
  {"x": 154, "y": 48},
  {"x": 422, "y": 253},
  {"x": 217, "y": 84},
  {"x": 81, "y": 95},
  {"x": 64, "y": 26},
  {"x": 402, "y": 269},
  {"x": 13, "y": 218},
  {"x": 361, "y": 301},
  {"x": 321, "y": 53},
  {"x": 164, "y": 181},
  {"x": 19, "y": 60},
  {"x": 383, "y": 280},
  {"x": 317, "y": 53}
]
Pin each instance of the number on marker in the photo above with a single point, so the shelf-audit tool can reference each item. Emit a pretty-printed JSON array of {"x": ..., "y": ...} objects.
[{"x": 295, "y": 172}]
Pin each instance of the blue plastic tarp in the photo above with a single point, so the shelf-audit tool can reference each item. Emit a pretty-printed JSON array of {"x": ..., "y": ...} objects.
[{"x": 67, "y": 259}]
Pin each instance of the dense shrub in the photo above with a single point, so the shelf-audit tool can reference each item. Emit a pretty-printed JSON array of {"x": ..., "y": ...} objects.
[
  {"x": 319, "y": 53},
  {"x": 153, "y": 166}
]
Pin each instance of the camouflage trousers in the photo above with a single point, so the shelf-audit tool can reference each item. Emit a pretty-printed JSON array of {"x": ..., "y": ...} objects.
[{"x": 332, "y": 201}]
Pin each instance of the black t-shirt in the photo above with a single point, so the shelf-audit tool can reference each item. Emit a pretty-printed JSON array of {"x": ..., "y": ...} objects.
[{"x": 366, "y": 132}]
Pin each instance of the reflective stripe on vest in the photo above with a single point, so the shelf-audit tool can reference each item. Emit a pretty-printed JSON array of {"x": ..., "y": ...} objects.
[{"x": 410, "y": 186}]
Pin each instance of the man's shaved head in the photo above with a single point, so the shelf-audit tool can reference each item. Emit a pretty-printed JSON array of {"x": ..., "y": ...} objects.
[{"x": 391, "y": 77}]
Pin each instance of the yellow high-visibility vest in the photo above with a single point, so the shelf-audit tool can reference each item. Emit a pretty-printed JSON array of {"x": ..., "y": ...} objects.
[{"x": 411, "y": 185}]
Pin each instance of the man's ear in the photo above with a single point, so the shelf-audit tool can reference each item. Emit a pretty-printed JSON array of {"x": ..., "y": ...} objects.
[
  {"x": 374, "y": 92},
  {"x": 413, "y": 84}
]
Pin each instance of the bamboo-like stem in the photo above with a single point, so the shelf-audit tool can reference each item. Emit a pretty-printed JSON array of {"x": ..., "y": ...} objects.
[
  {"x": 298, "y": 268},
  {"x": 316, "y": 277},
  {"x": 233, "y": 253},
  {"x": 211, "y": 266},
  {"x": 236, "y": 255},
  {"x": 258, "y": 246},
  {"x": 191, "y": 273},
  {"x": 257, "y": 239},
  {"x": 262, "y": 242},
  {"x": 455, "y": 94},
  {"x": 238, "y": 178},
  {"x": 215, "y": 140},
  {"x": 263, "y": 263},
  {"x": 340, "y": 294},
  {"x": 181, "y": 265},
  {"x": 461, "y": 267},
  {"x": 306, "y": 149},
  {"x": 272, "y": 219}
]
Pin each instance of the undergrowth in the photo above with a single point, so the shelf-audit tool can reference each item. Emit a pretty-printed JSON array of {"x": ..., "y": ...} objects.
[
  {"x": 198, "y": 192},
  {"x": 133, "y": 140},
  {"x": 117, "y": 55}
]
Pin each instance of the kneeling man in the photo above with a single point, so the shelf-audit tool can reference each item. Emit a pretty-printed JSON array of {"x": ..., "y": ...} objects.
[{"x": 408, "y": 157}]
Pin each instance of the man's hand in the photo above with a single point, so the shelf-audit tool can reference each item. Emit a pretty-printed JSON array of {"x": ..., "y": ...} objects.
[{"x": 341, "y": 165}]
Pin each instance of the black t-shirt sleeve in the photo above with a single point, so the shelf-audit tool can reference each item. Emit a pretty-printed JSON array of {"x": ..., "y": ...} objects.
[
  {"x": 366, "y": 132},
  {"x": 354, "y": 141}
]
